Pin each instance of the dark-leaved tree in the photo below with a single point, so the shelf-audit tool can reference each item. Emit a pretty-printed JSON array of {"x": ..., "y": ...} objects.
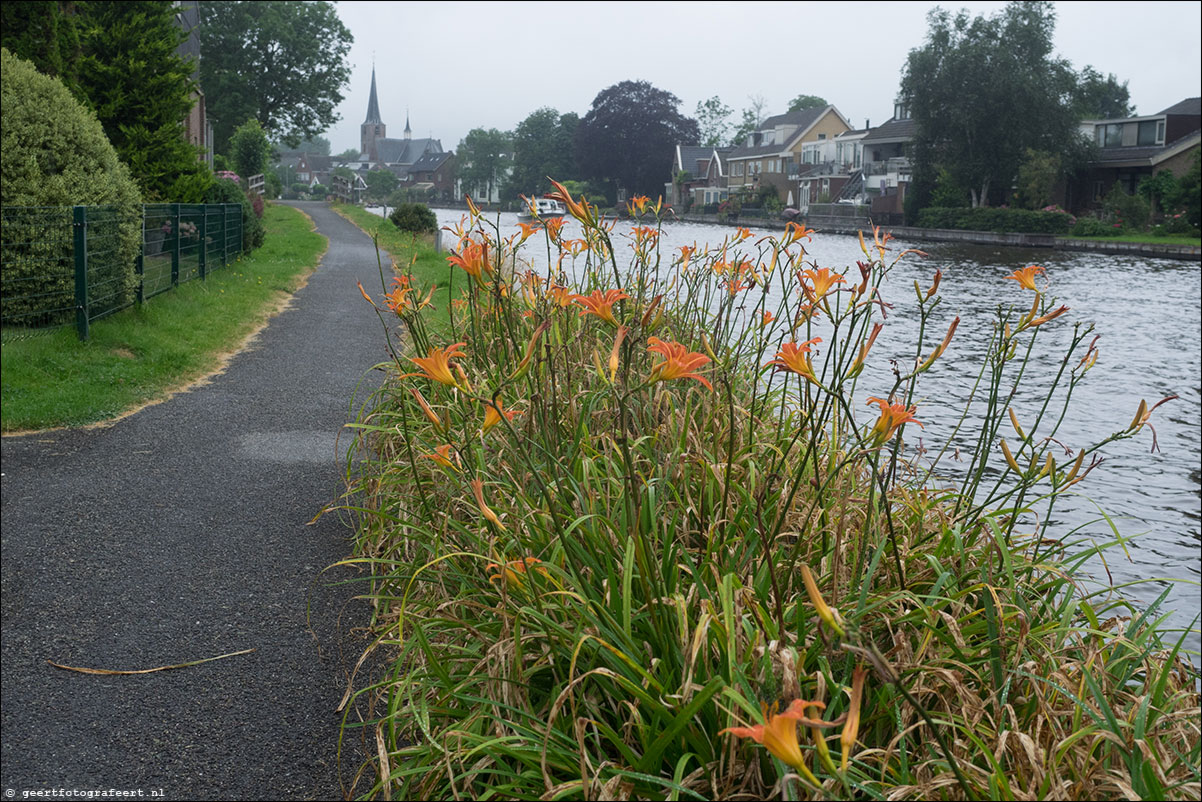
[
  {"x": 629, "y": 134},
  {"x": 282, "y": 63},
  {"x": 1101, "y": 98},
  {"x": 481, "y": 161},
  {"x": 803, "y": 102},
  {"x": 543, "y": 146}
]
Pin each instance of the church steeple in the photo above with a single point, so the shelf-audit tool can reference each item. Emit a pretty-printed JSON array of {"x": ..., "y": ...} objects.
[
  {"x": 373, "y": 127},
  {"x": 408, "y": 132},
  {"x": 373, "y": 105}
]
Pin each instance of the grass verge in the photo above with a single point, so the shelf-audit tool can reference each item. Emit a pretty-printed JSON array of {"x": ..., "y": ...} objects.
[
  {"x": 1145, "y": 239},
  {"x": 143, "y": 354},
  {"x": 640, "y": 539},
  {"x": 412, "y": 255}
]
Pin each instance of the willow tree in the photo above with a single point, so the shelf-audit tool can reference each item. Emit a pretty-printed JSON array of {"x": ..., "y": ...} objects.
[{"x": 986, "y": 90}]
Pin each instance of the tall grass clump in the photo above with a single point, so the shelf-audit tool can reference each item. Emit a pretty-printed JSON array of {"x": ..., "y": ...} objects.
[{"x": 636, "y": 531}]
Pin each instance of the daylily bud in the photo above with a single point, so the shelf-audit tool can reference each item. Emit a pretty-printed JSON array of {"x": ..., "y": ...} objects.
[
  {"x": 1010, "y": 459},
  {"x": 1014, "y": 422},
  {"x": 820, "y": 606},
  {"x": 1076, "y": 467}
]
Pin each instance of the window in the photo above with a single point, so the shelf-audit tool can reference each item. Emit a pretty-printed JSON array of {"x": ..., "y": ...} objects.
[
  {"x": 1147, "y": 133},
  {"x": 1110, "y": 136},
  {"x": 737, "y": 169},
  {"x": 821, "y": 137}
]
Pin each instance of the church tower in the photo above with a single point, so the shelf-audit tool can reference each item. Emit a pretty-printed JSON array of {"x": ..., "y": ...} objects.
[
  {"x": 373, "y": 127},
  {"x": 408, "y": 131}
]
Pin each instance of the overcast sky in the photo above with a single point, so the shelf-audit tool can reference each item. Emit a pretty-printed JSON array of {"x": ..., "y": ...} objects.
[{"x": 459, "y": 66}]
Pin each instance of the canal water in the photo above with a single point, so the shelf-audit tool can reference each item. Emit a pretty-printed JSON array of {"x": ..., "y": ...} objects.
[{"x": 1147, "y": 315}]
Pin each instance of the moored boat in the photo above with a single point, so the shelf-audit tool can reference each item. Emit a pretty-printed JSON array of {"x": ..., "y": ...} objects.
[{"x": 541, "y": 209}]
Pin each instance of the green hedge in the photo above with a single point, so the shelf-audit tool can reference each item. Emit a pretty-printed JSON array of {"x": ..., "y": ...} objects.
[
  {"x": 56, "y": 155},
  {"x": 990, "y": 219}
]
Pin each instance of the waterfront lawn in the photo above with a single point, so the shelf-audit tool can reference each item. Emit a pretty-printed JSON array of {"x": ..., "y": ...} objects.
[
  {"x": 412, "y": 254},
  {"x": 144, "y": 353},
  {"x": 1145, "y": 239}
]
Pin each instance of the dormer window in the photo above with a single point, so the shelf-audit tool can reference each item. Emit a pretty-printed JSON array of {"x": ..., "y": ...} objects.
[{"x": 901, "y": 111}]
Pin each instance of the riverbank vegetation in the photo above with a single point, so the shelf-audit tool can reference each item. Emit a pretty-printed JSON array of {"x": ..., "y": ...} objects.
[
  {"x": 640, "y": 529},
  {"x": 144, "y": 353}
]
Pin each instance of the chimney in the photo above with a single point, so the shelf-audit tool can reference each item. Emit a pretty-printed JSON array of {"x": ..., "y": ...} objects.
[{"x": 867, "y": 124}]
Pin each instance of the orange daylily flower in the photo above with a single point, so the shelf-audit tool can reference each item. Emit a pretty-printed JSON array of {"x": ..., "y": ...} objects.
[
  {"x": 578, "y": 209},
  {"x": 1026, "y": 276},
  {"x": 638, "y": 204},
  {"x": 399, "y": 301},
  {"x": 473, "y": 258},
  {"x": 560, "y": 295},
  {"x": 766, "y": 318},
  {"x": 779, "y": 734},
  {"x": 442, "y": 455},
  {"x": 553, "y": 225},
  {"x": 686, "y": 255},
  {"x": 679, "y": 362},
  {"x": 600, "y": 304},
  {"x": 528, "y": 230},
  {"x": 644, "y": 236},
  {"x": 490, "y": 516},
  {"x": 821, "y": 281},
  {"x": 492, "y": 417},
  {"x": 514, "y": 572},
  {"x": 794, "y": 358},
  {"x": 893, "y": 416},
  {"x": 795, "y": 232},
  {"x": 436, "y": 365},
  {"x": 742, "y": 234}
]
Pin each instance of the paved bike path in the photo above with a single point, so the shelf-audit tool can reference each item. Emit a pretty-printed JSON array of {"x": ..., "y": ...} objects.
[{"x": 181, "y": 533}]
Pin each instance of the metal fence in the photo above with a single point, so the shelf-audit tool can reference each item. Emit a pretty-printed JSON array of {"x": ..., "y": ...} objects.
[{"x": 71, "y": 265}]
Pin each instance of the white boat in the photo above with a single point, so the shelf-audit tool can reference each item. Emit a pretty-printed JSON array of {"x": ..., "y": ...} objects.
[{"x": 542, "y": 209}]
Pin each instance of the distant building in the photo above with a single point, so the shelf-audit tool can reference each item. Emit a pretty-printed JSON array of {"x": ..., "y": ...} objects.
[
  {"x": 1130, "y": 149},
  {"x": 378, "y": 152},
  {"x": 197, "y": 129}
]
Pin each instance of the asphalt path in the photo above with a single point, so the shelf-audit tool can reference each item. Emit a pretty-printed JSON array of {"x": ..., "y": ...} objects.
[{"x": 181, "y": 533}]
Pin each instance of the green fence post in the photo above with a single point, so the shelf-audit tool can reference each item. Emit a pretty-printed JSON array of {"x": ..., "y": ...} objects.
[
  {"x": 175, "y": 245},
  {"x": 79, "y": 225},
  {"x": 140, "y": 265},
  {"x": 203, "y": 239},
  {"x": 225, "y": 234}
]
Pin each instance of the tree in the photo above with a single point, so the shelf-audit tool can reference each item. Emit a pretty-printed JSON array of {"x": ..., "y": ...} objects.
[
  {"x": 802, "y": 102},
  {"x": 629, "y": 134},
  {"x": 752, "y": 117},
  {"x": 1037, "y": 178},
  {"x": 282, "y": 63},
  {"x": 380, "y": 184},
  {"x": 482, "y": 159},
  {"x": 250, "y": 149},
  {"x": 314, "y": 144},
  {"x": 1098, "y": 98},
  {"x": 141, "y": 89},
  {"x": 983, "y": 91},
  {"x": 348, "y": 155},
  {"x": 40, "y": 33},
  {"x": 542, "y": 148},
  {"x": 121, "y": 61},
  {"x": 712, "y": 122}
]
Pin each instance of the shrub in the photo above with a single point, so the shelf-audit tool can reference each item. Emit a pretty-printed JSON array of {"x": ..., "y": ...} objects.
[
  {"x": 56, "y": 154},
  {"x": 416, "y": 218},
  {"x": 999, "y": 219},
  {"x": 225, "y": 190},
  {"x": 1093, "y": 227},
  {"x": 1132, "y": 212}
]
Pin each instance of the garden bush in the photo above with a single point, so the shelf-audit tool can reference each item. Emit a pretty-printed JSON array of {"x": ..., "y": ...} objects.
[
  {"x": 416, "y": 218},
  {"x": 56, "y": 154},
  {"x": 1089, "y": 226},
  {"x": 227, "y": 190}
]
